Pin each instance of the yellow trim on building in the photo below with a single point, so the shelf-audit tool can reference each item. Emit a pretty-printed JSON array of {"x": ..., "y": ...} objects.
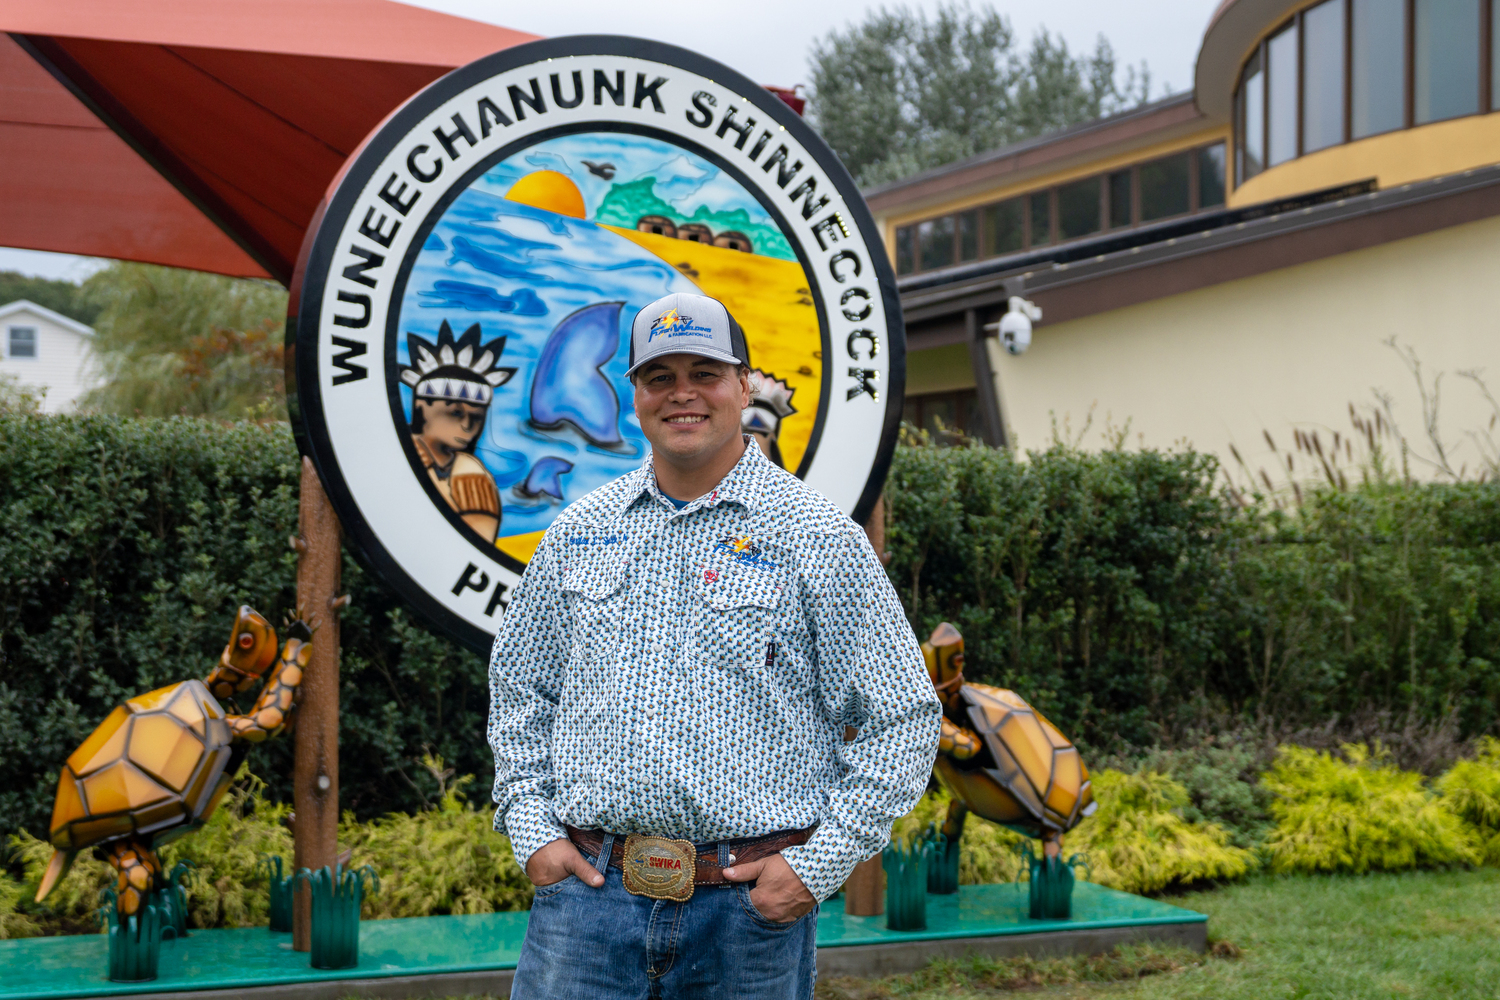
[{"x": 1393, "y": 159}]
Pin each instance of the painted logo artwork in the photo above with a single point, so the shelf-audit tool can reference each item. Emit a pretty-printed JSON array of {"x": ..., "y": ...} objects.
[{"x": 542, "y": 262}]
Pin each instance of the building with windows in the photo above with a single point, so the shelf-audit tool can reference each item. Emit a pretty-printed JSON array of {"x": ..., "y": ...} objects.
[
  {"x": 47, "y": 353},
  {"x": 1273, "y": 252}
]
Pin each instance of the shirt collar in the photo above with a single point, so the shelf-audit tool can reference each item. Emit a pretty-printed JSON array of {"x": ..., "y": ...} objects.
[{"x": 743, "y": 485}]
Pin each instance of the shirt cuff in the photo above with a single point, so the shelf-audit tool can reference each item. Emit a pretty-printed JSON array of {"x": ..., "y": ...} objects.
[
  {"x": 530, "y": 825},
  {"x": 825, "y": 861}
]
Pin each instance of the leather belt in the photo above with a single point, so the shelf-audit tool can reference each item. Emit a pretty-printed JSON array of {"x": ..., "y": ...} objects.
[{"x": 707, "y": 870}]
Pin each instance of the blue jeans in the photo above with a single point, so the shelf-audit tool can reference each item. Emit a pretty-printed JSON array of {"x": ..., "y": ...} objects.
[{"x": 607, "y": 944}]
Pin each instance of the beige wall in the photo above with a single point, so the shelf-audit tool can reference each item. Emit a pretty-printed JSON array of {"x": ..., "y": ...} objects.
[{"x": 1291, "y": 348}]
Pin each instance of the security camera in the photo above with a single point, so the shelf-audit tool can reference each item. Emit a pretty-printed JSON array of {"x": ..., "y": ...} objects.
[{"x": 1015, "y": 326}]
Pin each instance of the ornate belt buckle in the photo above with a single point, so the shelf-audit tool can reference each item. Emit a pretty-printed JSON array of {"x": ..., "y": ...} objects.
[{"x": 659, "y": 868}]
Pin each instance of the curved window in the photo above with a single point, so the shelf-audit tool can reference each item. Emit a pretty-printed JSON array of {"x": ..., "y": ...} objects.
[
  {"x": 1341, "y": 70},
  {"x": 1177, "y": 184},
  {"x": 1445, "y": 80}
]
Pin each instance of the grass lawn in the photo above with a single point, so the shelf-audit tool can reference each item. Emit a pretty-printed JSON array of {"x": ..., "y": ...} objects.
[{"x": 1419, "y": 934}]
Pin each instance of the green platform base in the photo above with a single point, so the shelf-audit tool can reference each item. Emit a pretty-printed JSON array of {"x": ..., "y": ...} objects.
[{"x": 453, "y": 956}]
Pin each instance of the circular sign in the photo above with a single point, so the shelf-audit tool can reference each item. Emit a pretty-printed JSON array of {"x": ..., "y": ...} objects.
[{"x": 460, "y": 320}]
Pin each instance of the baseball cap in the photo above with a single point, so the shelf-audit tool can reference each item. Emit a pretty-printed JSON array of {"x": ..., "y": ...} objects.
[{"x": 686, "y": 323}]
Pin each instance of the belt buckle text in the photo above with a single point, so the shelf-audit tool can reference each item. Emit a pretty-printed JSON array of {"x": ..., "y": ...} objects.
[{"x": 659, "y": 868}]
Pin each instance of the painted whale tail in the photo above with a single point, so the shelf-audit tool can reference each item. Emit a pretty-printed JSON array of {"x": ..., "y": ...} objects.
[
  {"x": 544, "y": 479},
  {"x": 570, "y": 386}
]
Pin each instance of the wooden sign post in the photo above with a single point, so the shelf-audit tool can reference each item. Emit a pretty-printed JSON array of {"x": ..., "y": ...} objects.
[
  {"x": 864, "y": 892},
  {"x": 315, "y": 782}
]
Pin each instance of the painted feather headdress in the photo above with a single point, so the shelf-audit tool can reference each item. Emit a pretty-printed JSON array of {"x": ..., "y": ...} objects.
[{"x": 459, "y": 368}]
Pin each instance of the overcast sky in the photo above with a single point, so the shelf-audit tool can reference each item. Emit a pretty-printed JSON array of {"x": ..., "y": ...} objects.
[{"x": 768, "y": 41}]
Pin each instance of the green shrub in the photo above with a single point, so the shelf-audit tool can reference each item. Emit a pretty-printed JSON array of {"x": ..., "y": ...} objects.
[
  {"x": 1221, "y": 775},
  {"x": 1132, "y": 600},
  {"x": 1471, "y": 791},
  {"x": 1090, "y": 583},
  {"x": 73, "y": 905},
  {"x": 12, "y": 923},
  {"x": 987, "y": 851},
  {"x": 443, "y": 860},
  {"x": 1357, "y": 815},
  {"x": 1138, "y": 841},
  {"x": 125, "y": 547},
  {"x": 229, "y": 888}
]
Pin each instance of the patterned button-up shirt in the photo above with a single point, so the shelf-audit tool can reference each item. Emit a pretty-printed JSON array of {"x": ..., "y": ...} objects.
[{"x": 689, "y": 674}]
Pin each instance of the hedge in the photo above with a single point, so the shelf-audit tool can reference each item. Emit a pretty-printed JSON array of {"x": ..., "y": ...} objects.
[
  {"x": 1125, "y": 593},
  {"x": 126, "y": 545},
  {"x": 1133, "y": 599}
]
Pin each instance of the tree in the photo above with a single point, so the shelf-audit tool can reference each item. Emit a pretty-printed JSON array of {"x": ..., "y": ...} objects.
[
  {"x": 903, "y": 92},
  {"x": 172, "y": 342},
  {"x": 59, "y": 296}
]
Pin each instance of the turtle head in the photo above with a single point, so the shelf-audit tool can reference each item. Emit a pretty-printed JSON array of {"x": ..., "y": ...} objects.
[
  {"x": 252, "y": 644},
  {"x": 944, "y": 654}
]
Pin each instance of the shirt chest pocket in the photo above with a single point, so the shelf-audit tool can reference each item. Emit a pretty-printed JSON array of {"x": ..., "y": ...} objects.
[
  {"x": 738, "y": 607},
  {"x": 595, "y": 593}
]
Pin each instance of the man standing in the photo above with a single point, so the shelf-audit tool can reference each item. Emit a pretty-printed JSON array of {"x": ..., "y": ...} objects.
[{"x": 669, "y": 691}]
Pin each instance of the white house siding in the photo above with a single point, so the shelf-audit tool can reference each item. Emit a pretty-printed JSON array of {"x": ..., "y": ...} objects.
[
  {"x": 1288, "y": 349},
  {"x": 64, "y": 364}
]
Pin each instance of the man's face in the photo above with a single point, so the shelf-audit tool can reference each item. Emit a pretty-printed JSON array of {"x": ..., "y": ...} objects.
[
  {"x": 450, "y": 425},
  {"x": 689, "y": 406}
]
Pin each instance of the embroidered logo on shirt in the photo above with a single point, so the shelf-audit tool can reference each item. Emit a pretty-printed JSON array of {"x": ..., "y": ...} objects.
[
  {"x": 744, "y": 551},
  {"x": 596, "y": 540},
  {"x": 709, "y": 576}
]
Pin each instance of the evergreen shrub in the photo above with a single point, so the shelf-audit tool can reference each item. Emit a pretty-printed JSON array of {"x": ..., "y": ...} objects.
[
  {"x": 1356, "y": 815},
  {"x": 125, "y": 547},
  {"x": 1135, "y": 600},
  {"x": 1471, "y": 791},
  {"x": 1221, "y": 775},
  {"x": 447, "y": 859},
  {"x": 987, "y": 851},
  {"x": 1138, "y": 841}
]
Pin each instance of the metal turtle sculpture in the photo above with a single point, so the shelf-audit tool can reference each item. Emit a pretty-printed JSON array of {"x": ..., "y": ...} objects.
[
  {"x": 1001, "y": 758},
  {"x": 157, "y": 767}
]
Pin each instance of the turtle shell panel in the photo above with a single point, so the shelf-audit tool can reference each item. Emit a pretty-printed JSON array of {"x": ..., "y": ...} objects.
[
  {"x": 154, "y": 764},
  {"x": 1034, "y": 763}
]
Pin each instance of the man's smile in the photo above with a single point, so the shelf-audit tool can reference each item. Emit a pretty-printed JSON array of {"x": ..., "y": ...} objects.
[{"x": 687, "y": 418}]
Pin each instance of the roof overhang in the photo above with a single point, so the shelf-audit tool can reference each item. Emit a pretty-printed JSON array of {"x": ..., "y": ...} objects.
[
  {"x": 1153, "y": 123},
  {"x": 1232, "y": 32}
]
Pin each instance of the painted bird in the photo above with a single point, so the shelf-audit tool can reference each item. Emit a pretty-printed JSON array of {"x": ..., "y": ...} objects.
[{"x": 605, "y": 170}]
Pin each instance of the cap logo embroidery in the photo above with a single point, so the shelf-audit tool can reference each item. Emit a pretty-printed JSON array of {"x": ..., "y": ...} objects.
[{"x": 673, "y": 324}]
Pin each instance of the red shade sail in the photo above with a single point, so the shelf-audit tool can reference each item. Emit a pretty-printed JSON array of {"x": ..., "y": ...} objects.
[{"x": 200, "y": 133}]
